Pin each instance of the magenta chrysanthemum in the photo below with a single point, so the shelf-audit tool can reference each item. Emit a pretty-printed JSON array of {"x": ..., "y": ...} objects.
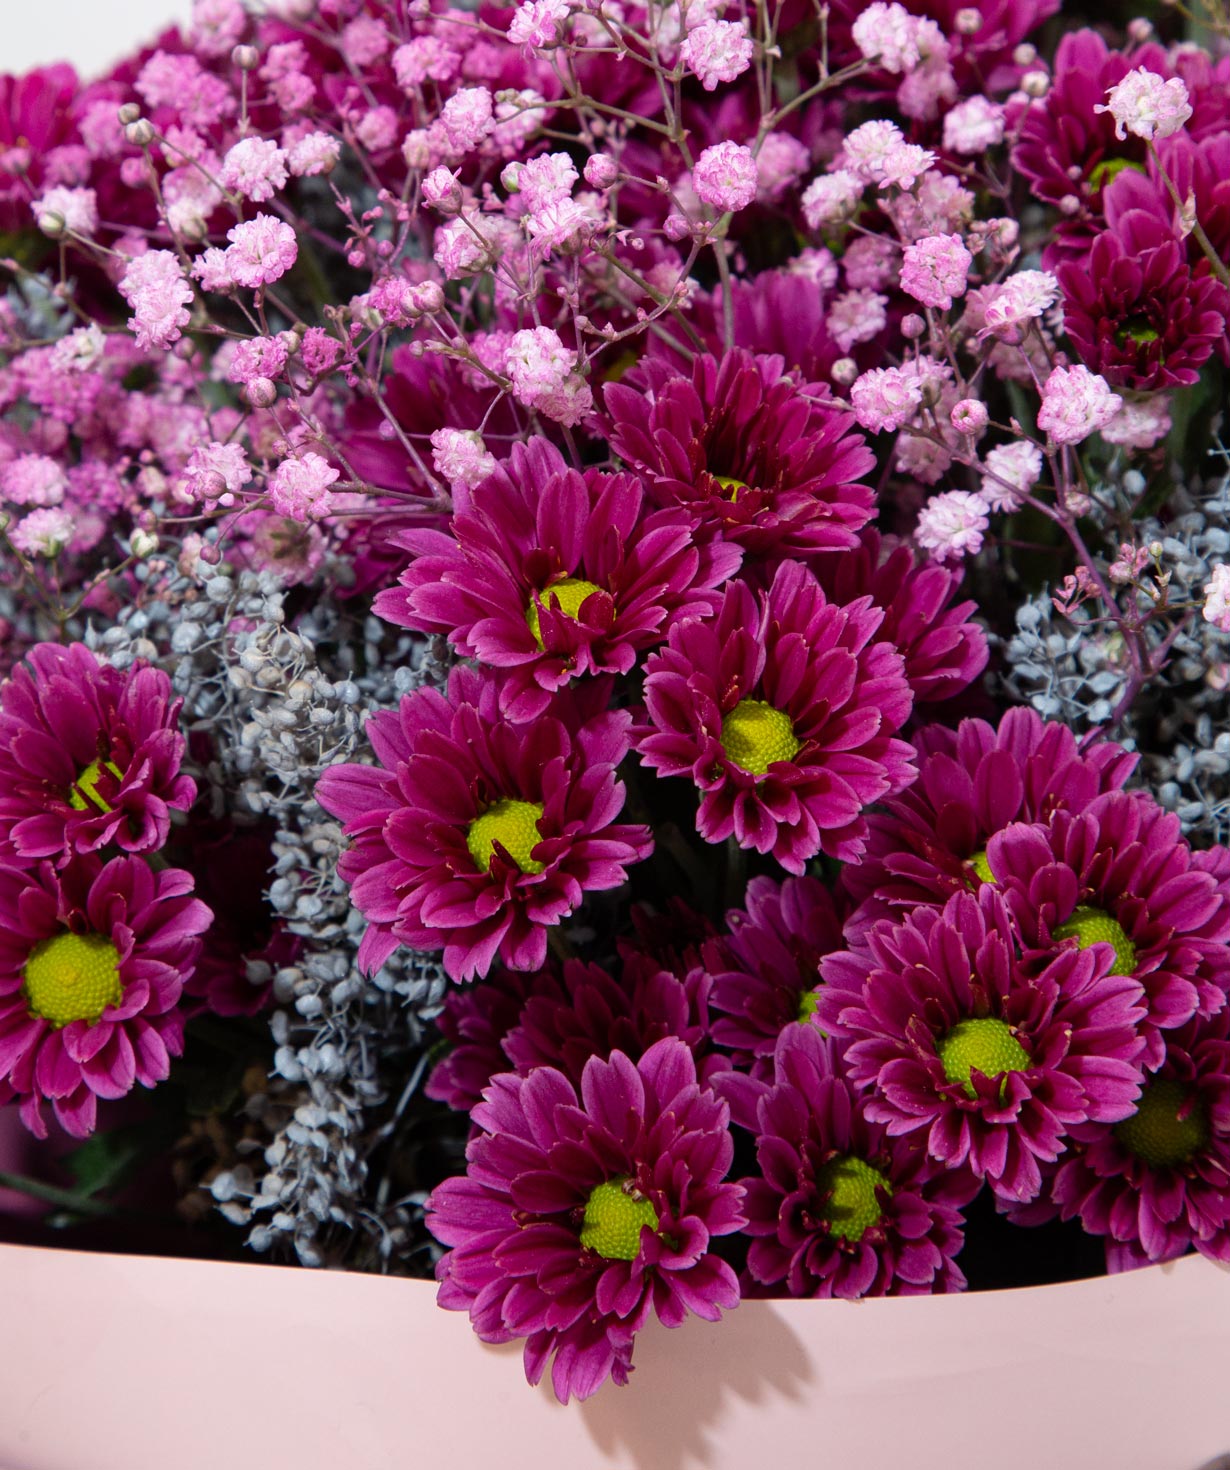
[
  {"x": 1119, "y": 875},
  {"x": 783, "y": 710},
  {"x": 972, "y": 781},
  {"x": 766, "y": 970},
  {"x": 745, "y": 452},
  {"x": 477, "y": 835},
  {"x": 1134, "y": 310},
  {"x": 580, "y": 1215},
  {"x": 840, "y": 1207},
  {"x": 944, "y": 651},
  {"x": 93, "y": 959},
  {"x": 551, "y": 574},
  {"x": 1159, "y": 1181},
  {"x": 89, "y": 756},
  {"x": 996, "y": 1061}
]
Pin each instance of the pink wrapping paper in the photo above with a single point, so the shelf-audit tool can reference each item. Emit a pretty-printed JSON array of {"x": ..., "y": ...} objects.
[{"x": 134, "y": 1363}]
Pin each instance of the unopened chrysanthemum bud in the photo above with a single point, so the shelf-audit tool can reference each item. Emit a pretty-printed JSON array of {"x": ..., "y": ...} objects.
[
  {"x": 140, "y": 133},
  {"x": 246, "y": 58},
  {"x": 144, "y": 543},
  {"x": 129, "y": 113}
]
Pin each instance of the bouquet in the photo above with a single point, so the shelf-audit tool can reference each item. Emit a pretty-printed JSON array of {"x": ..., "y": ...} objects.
[{"x": 615, "y": 623}]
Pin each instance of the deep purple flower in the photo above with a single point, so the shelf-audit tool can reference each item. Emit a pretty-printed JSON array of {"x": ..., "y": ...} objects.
[
  {"x": 579, "y": 1216},
  {"x": 1159, "y": 1181},
  {"x": 746, "y": 452},
  {"x": 1134, "y": 310},
  {"x": 551, "y": 574},
  {"x": 476, "y": 834},
  {"x": 93, "y": 960},
  {"x": 1066, "y": 150},
  {"x": 944, "y": 651},
  {"x": 560, "y": 1017},
  {"x": 996, "y": 1061},
  {"x": 588, "y": 1012},
  {"x": 89, "y": 756},
  {"x": 766, "y": 970},
  {"x": 1119, "y": 875},
  {"x": 782, "y": 709},
  {"x": 474, "y": 1022},
  {"x": 931, "y": 842},
  {"x": 841, "y": 1208}
]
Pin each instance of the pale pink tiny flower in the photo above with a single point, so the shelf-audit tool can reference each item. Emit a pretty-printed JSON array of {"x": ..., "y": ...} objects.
[
  {"x": 1146, "y": 105},
  {"x": 1217, "y": 598},
  {"x": 1128, "y": 565},
  {"x": 725, "y": 176},
  {"x": 1075, "y": 404},
  {"x": 154, "y": 287},
  {"x": 832, "y": 198},
  {"x": 780, "y": 164},
  {"x": 856, "y": 316},
  {"x": 75, "y": 210},
  {"x": 1011, "y": 472},
  {"x": 887, "y": 34},
  {"x": 299, "y": 488},
  {"x": 1140, "y": 423},
  {"x": 885, "y": 398},
  {"x": 315, "y": 153},
  {"x": 973, "y": 126},
  {"x": 261, "y": 251},
  {"x": 539, "y": 24},
  {"x": 936, "y": 270},
  {"x": 1021, "y": 299},
  {"x": 952, "y": 525},
  {"x": 255, "y": 168},
  {"x": 717, "y": 51},
  {"x": 969, "y": 417},
  {"x": 460, "y": 457},
  {"x": 43, "y": 532}
]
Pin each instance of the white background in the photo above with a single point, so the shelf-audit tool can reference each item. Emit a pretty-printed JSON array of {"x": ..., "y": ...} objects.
[{"x": 90, "y": 33}]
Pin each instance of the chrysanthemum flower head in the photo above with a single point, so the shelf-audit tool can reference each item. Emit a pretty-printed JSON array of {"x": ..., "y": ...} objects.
[
  {"x": 475, "y": 834},
  {"x": 93, "y": 960},
  {"x": 991, "y": 1060},
  {"x": 783, "y": 711},
  {"x": 943, "y": 649},
  {"x": 585, "y": 1210},
  {"x": 550, "y": 574},
  {"x": 841, "y": 1207},
  {"x": 1120, "y": 876},
  {"x": 972, "y": 782},
  {"x": 89, "y": 757},
  {"x": 1158, "y": 1182},
  {"x": 745, "y": 452},
  {"x": 766, "y": 968}
]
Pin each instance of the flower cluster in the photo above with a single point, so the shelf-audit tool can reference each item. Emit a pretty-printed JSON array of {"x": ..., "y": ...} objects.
[{"x": 524, "y": 534}]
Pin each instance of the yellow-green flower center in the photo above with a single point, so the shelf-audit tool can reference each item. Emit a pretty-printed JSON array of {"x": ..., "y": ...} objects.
[
  {"x": 982, "y": 867},
  {"x": 1110, "y": 168},
  {"x": 85, "y": 791},
  {"x": 1091, "y": 926},
  {"x": 729, "y": 483},
  {"x": 514, "y": 825},
  {"x": 853, "y": 1204},
  {"x": 564, "y": 596},
  {"x": 72, "y": 977},
  {"x": 982, "y": 1044},
  {"x": 614, "y": 1214},
  {"x": 754, "y": 735},
  {"x": 808, "y": 1002},
  {"x": 1168, "y": 1126}
]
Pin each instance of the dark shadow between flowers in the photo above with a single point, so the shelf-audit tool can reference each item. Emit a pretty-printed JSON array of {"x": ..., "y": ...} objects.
[{"x": 664, "y": 1418}]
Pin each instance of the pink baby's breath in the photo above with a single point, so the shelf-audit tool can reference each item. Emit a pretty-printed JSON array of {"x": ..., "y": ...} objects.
[
  {"x": 725, "y": 176},
  {"x": 885, "y": 398},
  {"x": 935, "y": 270},
  {"x": 952, "y": 525},
  {"x": 1146, "y": 105},
  {"x": 717, "y": 51},
  {"x": 299, "y": 488},
  {"x": 1075, "y": 404},
  {"x": 261, "y": 251},
  {"x": 154, "y": 287},
  {"x": 1216, "y": 608}
]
